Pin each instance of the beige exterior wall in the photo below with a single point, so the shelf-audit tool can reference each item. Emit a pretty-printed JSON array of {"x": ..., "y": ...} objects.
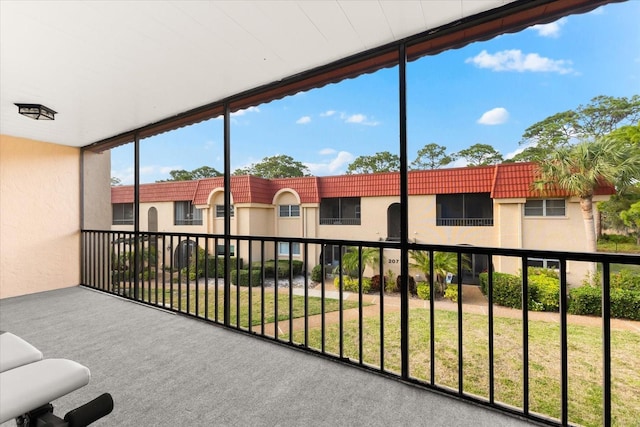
[
  {"x": 511, "y": 229},
  {"x": 39, "y": 219},
  {"x": 96, "y": 197}
]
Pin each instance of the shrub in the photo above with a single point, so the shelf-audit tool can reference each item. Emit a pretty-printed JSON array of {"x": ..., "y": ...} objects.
[
  {"x": 544, "y": 290},
  {"x": 214, "y": 265},
  {"x": 451, "y": 293},
  {"x": 351, "y": 284},
  {"x": 391, "y": 286},
  {"x": 617, "y": 238},
  {"x": 375, "y": 282},
  {"x": 316, "y": 273},
  {"x": 587, "y": 300},
  {"x": 241, "y": 277},
  {"x": 423, "y": 290},
  {"x": 625, "y": 304},
  {"x": 544, "y": 293},
  {"x": 412, "y": 284},
  {"x": 507, "y": 289},
  {"x": 540, "y": 271},
  {"x": 626, "y": 279},
  {"x": 283, "y": 268}
]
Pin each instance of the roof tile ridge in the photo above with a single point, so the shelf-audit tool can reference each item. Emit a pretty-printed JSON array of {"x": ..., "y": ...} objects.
[
  {"x": 495, "y": 180},
  {"x": 195, "y": 191}
]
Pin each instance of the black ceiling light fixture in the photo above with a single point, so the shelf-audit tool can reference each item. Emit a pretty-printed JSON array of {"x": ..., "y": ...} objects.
[{"x": 36, "y": 111}]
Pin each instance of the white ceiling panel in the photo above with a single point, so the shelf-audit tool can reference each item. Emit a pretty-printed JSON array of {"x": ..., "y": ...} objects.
[{"x": 109, "y": 67}]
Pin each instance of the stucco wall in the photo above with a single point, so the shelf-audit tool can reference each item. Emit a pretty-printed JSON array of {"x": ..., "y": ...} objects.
[
  {"x": 40, "y": 216},
  {"x": 98, "y": 210}
]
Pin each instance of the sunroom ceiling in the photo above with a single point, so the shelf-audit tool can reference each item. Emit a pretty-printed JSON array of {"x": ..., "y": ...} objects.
[{"x": 109, "y": 67}]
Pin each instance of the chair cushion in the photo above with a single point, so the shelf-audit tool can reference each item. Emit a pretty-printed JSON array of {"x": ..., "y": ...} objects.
[
  {"x": 14, "y": 352},
  {"x": 28, "y": 387}
]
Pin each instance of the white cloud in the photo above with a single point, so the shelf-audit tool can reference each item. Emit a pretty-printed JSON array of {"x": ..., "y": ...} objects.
[
  {"x": 303, "y": 120},
  {"x": 496, "y": 116},
  {"x": 328, "y": 113},
  {"x": 245, "y": 111},
  {"x": 326, "y": 151},
  {"x": 360, "y": 119},
  {"x": 335, "y": 166},
  {"x": 519, "y": 150},
  {"x": 515, "y": 60},
  {"x": 550, "y": 30}
]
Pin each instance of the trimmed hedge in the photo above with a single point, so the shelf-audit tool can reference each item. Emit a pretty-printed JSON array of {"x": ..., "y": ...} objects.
[
  {"x": 283, "y": 268},
  {"x": 544, "y": 291},
  {"x": 241, "y": 277},
  {"x": 316, "y": 273},
  {"x": 351, "y": 284},
  {"x": 587, "y": 300}
]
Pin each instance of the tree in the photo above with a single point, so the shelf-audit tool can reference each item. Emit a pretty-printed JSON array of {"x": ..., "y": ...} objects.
[
  {"x": 278, "y": 166},
  {"x": 631, "y": 218},
  {"x": 612, "y": 208},
  {"x": 432, "y": 156},
  {"x": 115, "y": 181},
  {"x": 480, "y": 155},
  {"x": 443, "y": 263},
  {"x": 205, "y": 172},
  {"x": 198, "y": 173},
  {"x": 600, "y": 117},
  {"x": 581, "y": 168},
  {"x": 379, "y": 162},
  {"x": 351, "y": 260}
]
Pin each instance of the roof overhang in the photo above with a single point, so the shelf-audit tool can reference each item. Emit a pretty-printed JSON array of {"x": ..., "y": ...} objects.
[{"x": 112, "y": 69}]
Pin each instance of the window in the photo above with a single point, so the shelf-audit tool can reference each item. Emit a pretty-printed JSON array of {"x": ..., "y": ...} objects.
[
  {"x": 544, "y": 263},
  {"x": 283, "y": 248},
  {"x": 220, "y": 211},
  {"x": 340, "y": 211},
  {"x": 122, "y": 214},
  {"x": 220, "y": 250},
  {"x": 545, "y": 207},
  {"x": 185, "y": 213},
  {"x": 464, "y": 210},
  {"x": 289, "y": 210}
]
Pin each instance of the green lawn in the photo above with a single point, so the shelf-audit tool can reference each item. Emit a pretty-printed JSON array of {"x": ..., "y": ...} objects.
[
  {"x": 314, "y": 305},
  {"x": 585, "y": 361},
  {"x": 629, "y": 248},
  {"x": 585, "y": 358}
]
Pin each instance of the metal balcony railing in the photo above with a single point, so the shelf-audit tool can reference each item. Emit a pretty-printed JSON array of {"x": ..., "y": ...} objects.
[
  {"x": 465, "y": 222},
  {"x": 507, "y": 364},
  {"x": 339, "y": 221}
]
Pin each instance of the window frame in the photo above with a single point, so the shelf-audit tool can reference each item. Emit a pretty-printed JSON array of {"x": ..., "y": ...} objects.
[
  {"x": 545, "y": 263},
  {"x": 289, "y": 211},
  {"x": 123, "y": 220},
  {"x": 220, "y": 211},
  {"x": 288, "y": 245},
  {"x": 193, "y": 214},
  {"x": 545, "y": 208},
  {"x": 463, "y": 203}
]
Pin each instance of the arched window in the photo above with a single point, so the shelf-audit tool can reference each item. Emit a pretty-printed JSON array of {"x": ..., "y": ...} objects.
[{"x": 393, "y": 222}]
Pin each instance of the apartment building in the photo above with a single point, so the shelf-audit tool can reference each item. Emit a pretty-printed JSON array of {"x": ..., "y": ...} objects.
[{"x": 493, "y": 206}]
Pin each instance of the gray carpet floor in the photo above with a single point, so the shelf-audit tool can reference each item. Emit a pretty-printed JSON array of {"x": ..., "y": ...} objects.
[{"x": 168, "y": 370}]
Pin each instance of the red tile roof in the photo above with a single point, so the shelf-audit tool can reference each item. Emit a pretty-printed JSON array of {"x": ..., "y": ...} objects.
[{"x": 505, "y": 181}]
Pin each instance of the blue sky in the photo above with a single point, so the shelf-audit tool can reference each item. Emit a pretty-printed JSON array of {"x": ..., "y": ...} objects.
[{"x": 487, "y": 92}]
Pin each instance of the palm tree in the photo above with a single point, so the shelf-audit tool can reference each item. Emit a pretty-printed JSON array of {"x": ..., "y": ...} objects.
[
  {"x": 351, "y": 260},
  {"x": 580, "y": 169},
  {"x": 443, "y": 263}
]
